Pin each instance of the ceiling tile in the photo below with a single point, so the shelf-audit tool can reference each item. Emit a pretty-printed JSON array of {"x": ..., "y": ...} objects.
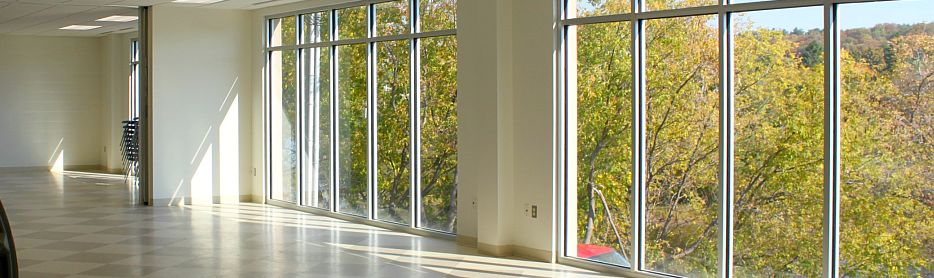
[
  {"x": 17, "y": 10},
  {"x": 51, "y": 13},
  {"x": 44, "y": 17},
  {"x": 87, "y": 17}
]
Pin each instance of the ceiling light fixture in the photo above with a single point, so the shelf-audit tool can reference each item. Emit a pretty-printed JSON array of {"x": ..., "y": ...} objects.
[
  {"x": 79, "y": 27},
  {"x": 119, "y": 18}
]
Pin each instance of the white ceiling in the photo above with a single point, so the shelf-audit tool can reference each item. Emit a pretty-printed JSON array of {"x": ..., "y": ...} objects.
[{"x": 45, "y": 17}]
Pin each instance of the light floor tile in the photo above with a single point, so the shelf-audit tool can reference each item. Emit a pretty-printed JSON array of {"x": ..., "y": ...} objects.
[{"x": 75, "y": 226}]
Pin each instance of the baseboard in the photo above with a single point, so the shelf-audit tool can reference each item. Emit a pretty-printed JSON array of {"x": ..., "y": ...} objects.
[
  {"x": 170, "y": 202},
  {"x": 49, "y": 168},
  {"x": 83, "y": 167},
  {"x": 494, "y": 250},
  {"x": 533, "y": 254},
  {"x": 516, "y": 251},
  {"x": 257, "y": 199},
  {"x": 115, "y": 171},
  {"x": 467, "y": 241}
]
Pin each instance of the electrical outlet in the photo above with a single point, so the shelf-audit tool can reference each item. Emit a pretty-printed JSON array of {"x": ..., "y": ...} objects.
[
  {"x": 534, "y": 211},
  {"x": 526, "y": 210}
]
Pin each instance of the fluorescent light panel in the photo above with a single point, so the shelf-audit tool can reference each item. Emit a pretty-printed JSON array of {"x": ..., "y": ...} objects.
[
  {"x": 79, "y": 27},
  {"x": 119, "y": 18}
]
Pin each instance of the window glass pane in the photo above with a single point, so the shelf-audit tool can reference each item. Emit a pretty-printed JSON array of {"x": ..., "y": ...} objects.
[
  {"x": 604, "y": 144},
  {"x": 393, "y": 135},
  {"x": 318, "y": 126},
  {"x": 778, "y": 159},
  {"x": 682, "y": 145},
  {"x": 351, "y": 23},
  {"x": 585, "y": 8},
  {"x": 438, "y": 104},
  {"x": 316, "y": 27},
  {"x": 283, "y": 90},
  {"x": 134, "y": 80},
  {"x": 887, "y": 151},
  {"x": 134, "y": 51},
  {"x": 392, "y": 18},
  {"x": 282, "y": 31},
  {"x": 437, "y": 14},
  {"x": 656, "y": 5},
  {"x": 353, "y": 129}
]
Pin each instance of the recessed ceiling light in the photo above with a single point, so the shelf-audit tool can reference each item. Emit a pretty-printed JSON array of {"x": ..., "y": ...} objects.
[
  {"x": 79, "y": 27},
  {"x": 197, "y": 1},
  {"x": 119, "y": 18}
]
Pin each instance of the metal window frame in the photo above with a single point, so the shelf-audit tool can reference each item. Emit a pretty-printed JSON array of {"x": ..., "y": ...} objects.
[
  {"x": 724, "y": 10},
  {"x": 134, "y": 78},
  {"x": 370, "y": 41}
]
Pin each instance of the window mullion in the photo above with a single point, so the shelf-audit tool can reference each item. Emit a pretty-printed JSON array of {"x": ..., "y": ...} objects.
[
  {"x": 639, "y": 99},
  {"x": 725, "y": 247},
  {"x": 335, "y": 116},
  {"x": 300, "y": 112},
  {"x": 372, "y": 113},
  {"x": 831, "y": 250},
  {"x": 415, "y": 207}
]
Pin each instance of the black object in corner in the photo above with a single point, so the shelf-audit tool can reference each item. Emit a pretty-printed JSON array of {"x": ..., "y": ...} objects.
[{"x": 8, "y": 266}]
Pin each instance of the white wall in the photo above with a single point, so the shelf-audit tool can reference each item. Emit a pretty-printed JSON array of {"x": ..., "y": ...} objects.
[
  {"x": 485, "y": 125},
  {"x": 506, "y": 98},
  {"x": 50, "y": 101},
  {"x": 115, "y": 89},
  {"x": 534, "y": 78},
  {"x": 201, "y": 105}
]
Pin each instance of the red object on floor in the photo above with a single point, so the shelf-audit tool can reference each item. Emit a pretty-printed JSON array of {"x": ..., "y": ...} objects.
[{"x": 589, "y": 250}]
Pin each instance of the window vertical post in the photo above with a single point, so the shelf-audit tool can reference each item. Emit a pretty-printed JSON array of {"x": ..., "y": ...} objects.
[
  {"x": 372, "y": 115},
  {"x": 725, "y": 247},
  {"x": 570, "y": 141},
  {"x": 301, "y": 112},
  {"x": 831, "y": 141},
  {"x": 639, "y": 105},
  {"x": 415, "y": 124},
  {"x": 335, "y": 116}
]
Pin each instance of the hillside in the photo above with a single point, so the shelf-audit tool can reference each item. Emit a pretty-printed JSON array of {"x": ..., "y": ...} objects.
[{"x": 861, "y": 43}]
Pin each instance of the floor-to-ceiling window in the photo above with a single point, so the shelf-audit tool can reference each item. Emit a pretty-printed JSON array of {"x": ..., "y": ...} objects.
[
  {"x": 283, "y": 93},
  {"x": 361, "y": 102},
  {"x": 748, "y": 138},
  {"x": 886, "y": 106}
]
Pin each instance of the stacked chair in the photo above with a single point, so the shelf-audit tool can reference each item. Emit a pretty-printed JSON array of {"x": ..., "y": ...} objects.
[{"x": 129, "y": 146}]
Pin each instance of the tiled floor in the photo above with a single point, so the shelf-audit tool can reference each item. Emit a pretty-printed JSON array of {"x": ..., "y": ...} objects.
[{"x": 84, "y": 225}]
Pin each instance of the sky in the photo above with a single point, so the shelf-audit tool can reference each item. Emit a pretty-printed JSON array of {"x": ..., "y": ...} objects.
[{"x": 859, "y": 15}]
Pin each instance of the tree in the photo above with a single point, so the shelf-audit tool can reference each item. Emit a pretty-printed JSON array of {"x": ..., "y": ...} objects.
[
  {"x": 887, "y": 155},
  {"x": 438, "y": 130}
]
